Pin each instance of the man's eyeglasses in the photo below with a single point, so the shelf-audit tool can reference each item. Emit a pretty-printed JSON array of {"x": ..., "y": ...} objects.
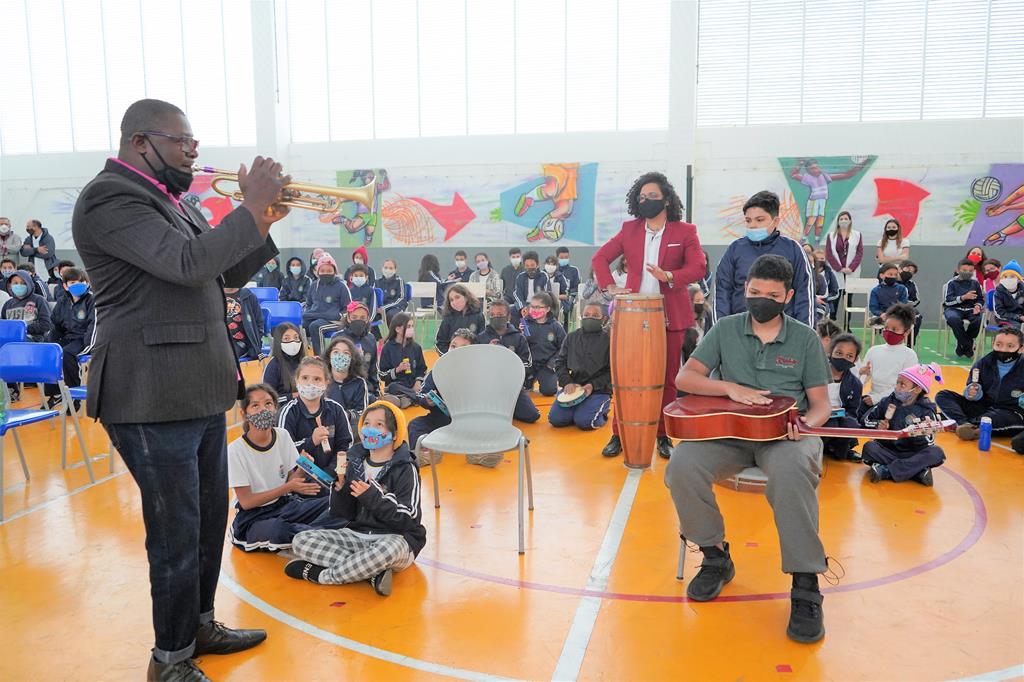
[{"x": 186, "y": 142}]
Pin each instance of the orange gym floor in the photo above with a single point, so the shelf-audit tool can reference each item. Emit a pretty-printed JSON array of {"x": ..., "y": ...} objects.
[{"x": 933, "y": 586}]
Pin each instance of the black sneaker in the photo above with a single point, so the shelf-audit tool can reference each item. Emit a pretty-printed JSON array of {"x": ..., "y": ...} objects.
[
  {"x": 878, "y": 472},
  {"x": 806, "y": 618},
  {"x": 303, "y": 570},
  {"x": 613, "y": 448},
  {"x": 715, "y": 571},
  {"x": 15, "y": 397},
  {"x": 382, "y": 582},
  {"x": 925, "y": 478},
  {"x": 185, "y": 671},
  {"x": 665, "y": 447},
  {"x": 53, "y": 401},
  {"x": 852, "y": 456}
]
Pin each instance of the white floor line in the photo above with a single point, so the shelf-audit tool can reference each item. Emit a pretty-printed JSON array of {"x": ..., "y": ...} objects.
[
  {"x": 578, "y": 638},
  {"x": 351, "y": 644},
  {"x": 43, "y": 505},
  {"x": 1011, "y": 673},
  {"x": 1004, "y": 447}
]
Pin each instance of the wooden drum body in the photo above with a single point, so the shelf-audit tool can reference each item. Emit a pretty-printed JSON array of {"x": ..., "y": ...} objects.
[{"x": 638, "y": 373}]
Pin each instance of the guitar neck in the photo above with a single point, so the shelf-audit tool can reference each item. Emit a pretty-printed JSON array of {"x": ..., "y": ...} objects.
[{"x": 878, "y": 434}]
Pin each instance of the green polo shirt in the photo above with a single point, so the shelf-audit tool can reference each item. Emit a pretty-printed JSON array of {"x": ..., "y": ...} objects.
[{"x": 789, "y": 365}]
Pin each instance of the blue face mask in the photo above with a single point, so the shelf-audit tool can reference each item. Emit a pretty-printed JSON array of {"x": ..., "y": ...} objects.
[
  {"x": 271, "y": 267},
  {"x": 19, "y": 290},
  {"x": 78, "y": 289},
  {"x": 358, "y": 281},
  {"x": 374, "y": 438},
  {"x": 562, "y": 262},
  {"x": 295, "y": 270},
  {"x": 757, "y": 234},
  {"x": 903, "y": 396}
]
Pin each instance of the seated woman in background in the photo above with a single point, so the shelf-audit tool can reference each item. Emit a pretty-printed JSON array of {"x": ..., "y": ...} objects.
[{"x": 489, "y": 276}]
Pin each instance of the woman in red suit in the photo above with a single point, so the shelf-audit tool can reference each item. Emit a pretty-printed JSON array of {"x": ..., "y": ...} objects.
[{"x": 671, "y": 256}]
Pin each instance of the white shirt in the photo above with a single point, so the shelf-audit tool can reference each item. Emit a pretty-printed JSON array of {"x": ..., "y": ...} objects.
[
  {"x": 649, "y": 284},
  {"x": 891, "y": 250},
  {"x": 619, "y": 278},
  {"x": 261, "y": 470},
  {"x": 886, "y": 364},
  {"x": 833, "y": 394}
]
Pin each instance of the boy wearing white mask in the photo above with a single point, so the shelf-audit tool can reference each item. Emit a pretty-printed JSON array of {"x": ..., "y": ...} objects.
[
  {"x": 1009, "y": 297},
  {"x": 462, "y": 272}
]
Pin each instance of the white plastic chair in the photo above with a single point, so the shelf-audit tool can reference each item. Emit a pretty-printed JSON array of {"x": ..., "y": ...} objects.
[
  {"x": 858, "y": 286},
  {"x": 481, "y": 412},
  {"x": 478, "y": 289},
  {"x": 420, "y": 290}
]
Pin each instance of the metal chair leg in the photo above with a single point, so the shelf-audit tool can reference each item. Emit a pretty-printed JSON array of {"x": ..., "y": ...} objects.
[
  {"x": 682, "y": 559},
  {"x": 66, "y": 395},
  {"x": 519, "y": 506},
  {"x": 2, "y": 476},
  {"x": 529, "y": 474},
  {"x": 21, "y": 454},
  {"x": 63, "y": 440}
]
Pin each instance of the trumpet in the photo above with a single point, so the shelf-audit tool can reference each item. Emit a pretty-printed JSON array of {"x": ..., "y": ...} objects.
[{"x": 298, "y": 194}]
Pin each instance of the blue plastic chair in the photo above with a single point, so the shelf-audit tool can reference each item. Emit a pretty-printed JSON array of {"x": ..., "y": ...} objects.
[
  {"x": 265, "y": 294},
  {"x": 40, "y": 363},
  {"x": 378, "y": 294},
  {"x": 283, "y": 311},
  {"x": 12, "y": 330}
]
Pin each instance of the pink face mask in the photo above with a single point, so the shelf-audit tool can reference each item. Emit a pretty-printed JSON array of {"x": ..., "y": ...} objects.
[{"x": 538, "y": 314}]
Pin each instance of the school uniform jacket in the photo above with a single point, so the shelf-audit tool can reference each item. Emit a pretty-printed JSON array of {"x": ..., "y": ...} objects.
[
  {"x": 394, "y": 294},
  {"x": 904, "y": 416},
  {"x": 295, "y": 288},
  {"x": 297, "y": 420},
  {"x": 999, "y": 393},
  {"x": 585, "y": 359},
  {"x": 883, "y": 296},
  {"x": 454, "y": 321},
  {"x": 512, "y": 339},
  {"x": 354, "y": 394},
  {"x": 267, "y": 278},
  {"x": 521, "y": 290},
  {"x": 326, "y": 301},
  {"x": 366, "y": 295},
  {"x": 391, "y": 506},
  {"x": 1009, "y": 306},
  {"x": 273, "y": 375},
  {"x": 545, "y": 339},
  {"x": 392, "y": 354},
  {"x": 955, "y": 290},
  {"x": 73, "y": 322},
  {"x": 680, "y": 254},
  {"x": 161, "y": 350},
  {"x": 508, "y": 281},
  {"x": 851, "y": 389},
  {"x": 32, "y": 308}
]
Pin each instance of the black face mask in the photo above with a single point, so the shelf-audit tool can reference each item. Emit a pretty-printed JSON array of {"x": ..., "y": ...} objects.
[
  {"x": 841, "y": 364},
  {"x": 328, "y": 279},
  {"x": 698, "y": 309},
  {"x": 1006, "y": 355},
  {"x": 175, "y": 180},
  {"x": 591, "y": 325},
  {"x": 892, "y": 232},
  {"x": 650, "y": 208},
  {"x": 764, "y": 309},
  {"x": 357, "y": 327},
  {"x": 531, "y": 272},
  {"x": 499, "y": 323},
  {"x": 889, "y": 281},
  {"x": 906, "y": 275}
]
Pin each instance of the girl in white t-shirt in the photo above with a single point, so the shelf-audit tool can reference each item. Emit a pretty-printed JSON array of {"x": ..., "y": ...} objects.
[
  {"x": 883, "y": 363},
  {"x": 262, "y": 471}
]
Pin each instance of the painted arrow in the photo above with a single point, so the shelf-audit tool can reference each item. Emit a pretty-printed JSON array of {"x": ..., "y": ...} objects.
[
  {"x": 900, "y": 199},
  {"x": 452, "y": 218}
]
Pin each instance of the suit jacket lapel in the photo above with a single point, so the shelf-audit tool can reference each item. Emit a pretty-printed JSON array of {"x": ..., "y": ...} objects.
[{"x": 663, "y": 246}]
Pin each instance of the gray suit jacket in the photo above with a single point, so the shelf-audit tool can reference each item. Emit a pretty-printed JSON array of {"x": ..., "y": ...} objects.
[{"x": 160, "y": 349}]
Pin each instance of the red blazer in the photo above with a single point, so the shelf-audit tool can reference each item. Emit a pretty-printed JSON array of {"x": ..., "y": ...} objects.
[{"x": 680, "y": 254}]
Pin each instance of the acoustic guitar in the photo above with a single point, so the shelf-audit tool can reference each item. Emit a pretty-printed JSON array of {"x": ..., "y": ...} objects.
[{"x": 702, "y": 417}]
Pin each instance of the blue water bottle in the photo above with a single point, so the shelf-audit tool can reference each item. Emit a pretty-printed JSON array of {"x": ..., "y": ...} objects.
[{"x": 985, "y": 434}]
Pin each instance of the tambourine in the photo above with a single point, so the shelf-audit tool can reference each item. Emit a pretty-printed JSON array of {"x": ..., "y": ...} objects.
[{"x": 571, "y": 399}]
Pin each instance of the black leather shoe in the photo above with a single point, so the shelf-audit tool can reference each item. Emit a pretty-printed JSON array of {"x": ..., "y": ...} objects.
[
  {"x": 613, "y": 448},
  {"x": 665, "y": 447},
  {"x": 217, "y": 638},
  {"x": 186, "y": 671}
]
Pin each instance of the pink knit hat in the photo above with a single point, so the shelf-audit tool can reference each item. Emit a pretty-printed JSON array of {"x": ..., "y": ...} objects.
[
  {"x": 923, "y": 375},
  {"x": 327, "y": 259},
  {"x": 355, "y": 305}
]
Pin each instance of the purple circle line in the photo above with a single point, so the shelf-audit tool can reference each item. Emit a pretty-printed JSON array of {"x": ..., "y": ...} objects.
[{"x": 968, "y": 541}]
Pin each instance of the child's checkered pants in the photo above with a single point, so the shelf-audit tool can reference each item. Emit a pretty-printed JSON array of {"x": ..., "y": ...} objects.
[{"x": 349, "y": 557}]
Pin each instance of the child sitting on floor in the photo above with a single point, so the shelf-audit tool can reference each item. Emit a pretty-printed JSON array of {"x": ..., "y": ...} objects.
[
  {"x": 844, "y": 393},
  {"x": 402, "y": 366},
  {"x": 884, "y": 362},
  {"x": 584, "y": 361},
  {"x": 907, "y": 458},
  {"x": 262, "y": 472},
  {"x": 994, "y": 388},
  {"x": 545, "y": 335},
  {"x": 349, "y": 384},
  {"x": 379, "y": 498},
  {"x": 500, "y": 332},
  {"x": 318, "y": 425}
]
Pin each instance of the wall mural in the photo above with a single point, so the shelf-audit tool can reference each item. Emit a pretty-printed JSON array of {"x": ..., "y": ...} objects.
[{"x": 955, "y": 202}]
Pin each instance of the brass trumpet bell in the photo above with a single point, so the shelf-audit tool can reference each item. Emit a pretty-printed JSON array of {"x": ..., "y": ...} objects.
[{"x": 319, "y": 198}]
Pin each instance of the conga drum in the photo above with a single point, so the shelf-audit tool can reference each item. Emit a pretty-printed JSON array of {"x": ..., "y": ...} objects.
[{"x": 638, "y": 373}]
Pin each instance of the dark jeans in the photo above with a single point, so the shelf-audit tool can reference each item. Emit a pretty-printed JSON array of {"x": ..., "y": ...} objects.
[
  {"x": 72, "y": 375},
  {"x": 1005, "y": 421},
  {"x": 964, "y": 337},
  {"x": 181, "y": 470}
]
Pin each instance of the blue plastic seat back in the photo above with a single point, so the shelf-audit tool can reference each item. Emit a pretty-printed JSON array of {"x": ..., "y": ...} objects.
[
  {"x": 283, "y": 311},
  {"x": 265, "y": 293},
  {"x": 31, "y": 362},
  {"x": 13, "y": 331},
  {"x": 379, "y": 295}
]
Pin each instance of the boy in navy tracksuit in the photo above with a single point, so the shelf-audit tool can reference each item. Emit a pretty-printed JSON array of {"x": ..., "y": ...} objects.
[
  {"x": 545, "y": 334},
  {"x": 245, "y": 323},
  {"x": 326, "y": 300},
  {"x": 908, "y": 270},
  {"x": 528, "y": 282},
  {"x": 462, "y": 271},
  {"x": 1008, "y": 300},
  {"x": 73, "y": 317},
  {"x": 270, "y": 275},
  {"x": 962, "y": 306},
  {"x": 584, "y": 361},
  {"x": 501, "y": 332},
  {"x": 571, "y": 274},
  {"x": 394, "y": 290},
  {"x": 763, "y": 237},
  {"x": 844, "y": 393},
  {"x": 295, "y": 283},
  {"x": 907, "y": 458},
  {"x": 995, "y": 394},
  {"x": 360, "y": 257},
  {"x": 886, "y": 293},
  {"x": 41, "y": 287}
]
